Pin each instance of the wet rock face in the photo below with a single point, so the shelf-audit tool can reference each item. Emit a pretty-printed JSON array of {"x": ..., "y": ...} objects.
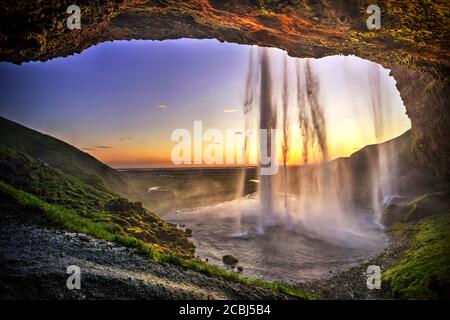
[
  {"x": 427, "y": 105},
  {"x": 408, "y": 210},
  {"x": 413, "y": 35}
]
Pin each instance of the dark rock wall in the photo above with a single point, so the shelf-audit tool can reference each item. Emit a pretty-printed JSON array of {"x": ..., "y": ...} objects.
[{"x": 427, "y": 105}]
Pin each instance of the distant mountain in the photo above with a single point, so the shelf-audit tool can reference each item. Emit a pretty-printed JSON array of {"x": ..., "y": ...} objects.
[{"x": 60, "y": 155}]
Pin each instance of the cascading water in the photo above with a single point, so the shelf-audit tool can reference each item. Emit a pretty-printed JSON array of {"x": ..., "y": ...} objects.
[
  {"x": 318, "y": 212},
  {"x": 317, "y": 194},
  {"x": 383, "y": 167}
]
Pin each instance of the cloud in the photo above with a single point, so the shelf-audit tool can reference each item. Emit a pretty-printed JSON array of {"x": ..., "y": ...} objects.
[
  {"x": 127, "y": 138},
  {"x": 163, "y": 106},
  {"x": 229, "y": 110},
  {"x": 95, "y": 148}
]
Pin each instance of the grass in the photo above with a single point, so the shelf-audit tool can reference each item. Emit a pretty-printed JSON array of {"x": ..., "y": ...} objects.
[
  {"x": 423, "y": 271},
  {"x": 51, "y": 184},
  {"x": 55, "y": 187},
  {"x": 20, "y": 203},
  {"x": 62, "y": 156}
]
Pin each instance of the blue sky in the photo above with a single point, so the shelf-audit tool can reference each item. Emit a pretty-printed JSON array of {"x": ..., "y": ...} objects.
[{"x": 109, "y": 95}]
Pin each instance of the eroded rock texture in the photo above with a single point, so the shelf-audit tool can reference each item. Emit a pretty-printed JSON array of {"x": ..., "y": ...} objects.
[{"x": 413, "y": 41}]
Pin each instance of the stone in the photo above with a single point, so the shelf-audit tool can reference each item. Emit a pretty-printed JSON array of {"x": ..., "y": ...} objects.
[{"x": 229, "y": 260}]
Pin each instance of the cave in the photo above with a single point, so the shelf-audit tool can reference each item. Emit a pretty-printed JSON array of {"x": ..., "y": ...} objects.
[
  {"x": 411, "y": 43},
  {"x": 417, "y": 60}
]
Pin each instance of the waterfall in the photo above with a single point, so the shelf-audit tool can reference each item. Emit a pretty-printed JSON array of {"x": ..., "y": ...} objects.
[
  {"x": 285, "y": 147},
  {"x": 267, "y": 120},
  {"x": 317, "y": 192}
]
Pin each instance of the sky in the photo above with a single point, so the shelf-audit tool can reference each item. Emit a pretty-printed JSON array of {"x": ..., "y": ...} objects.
[{"x": 120, "y": 101}]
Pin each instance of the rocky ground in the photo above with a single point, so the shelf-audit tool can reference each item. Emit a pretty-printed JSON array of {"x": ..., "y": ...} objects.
[
  {"x": 34, "y": 261},
  {"x": 352, "y": 283}
]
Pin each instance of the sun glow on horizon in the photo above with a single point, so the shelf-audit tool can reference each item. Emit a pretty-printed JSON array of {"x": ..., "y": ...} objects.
[
  {"x": 126, "y": 107},
  {"x": 349, "y": 123}
]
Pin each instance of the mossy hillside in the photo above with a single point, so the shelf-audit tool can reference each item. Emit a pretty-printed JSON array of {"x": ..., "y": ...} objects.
[
  {"x": 16, "y": 204},
  {"x": 54, "y": 186},
  {"x": 423, "y": 271},
  {"x": 51, "y": 185},
  {"x": 57, "y": 154}
]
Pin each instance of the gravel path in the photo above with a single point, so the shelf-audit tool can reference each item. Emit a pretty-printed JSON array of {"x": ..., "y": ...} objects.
[{"x": 34, "y": 261}]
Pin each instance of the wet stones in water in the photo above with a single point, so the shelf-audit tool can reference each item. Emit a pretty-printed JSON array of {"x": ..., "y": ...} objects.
[
  {"x": 188, "y": 232},
  {"x": 240, "y": 269},
  {"x": 229, "y": 260}
]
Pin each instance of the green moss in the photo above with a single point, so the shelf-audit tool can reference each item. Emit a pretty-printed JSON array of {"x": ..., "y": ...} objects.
[
  {"x": 217, "y": 271},
  {"x": 61, "y": 156},
  {"x": 423, "y": 272},
  {"x": 20, "y": 202},
  {"x": 409, "y": 29},
  {"x": 51, "y": 185},
  {"x": 54, "y": 186}
]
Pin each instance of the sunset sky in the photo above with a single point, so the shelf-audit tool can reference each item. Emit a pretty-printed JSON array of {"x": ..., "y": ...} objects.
[{"x": 120, "y": 101}]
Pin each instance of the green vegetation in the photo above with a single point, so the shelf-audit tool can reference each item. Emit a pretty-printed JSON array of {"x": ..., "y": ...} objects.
[
  {"x": 59, "y": 174},
  {"x": 101, "y": 205},
  {"x": 23, "y": 205},
  {"x": 409, "y": 29},
  {"x": 51, "y": 185},
  {"x": 423, "y": 271},
  {"x": 417, "y": 208},
  {"x": 34, "y": 190},
  {"x": 57, "y": 154},
  {"x": 217, "y": 271},
  {"x": 48, "y": 182},
  {"x": 417, "y": 21}
]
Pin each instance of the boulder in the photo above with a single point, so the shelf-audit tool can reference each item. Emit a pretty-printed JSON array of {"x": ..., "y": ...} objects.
[{"x": 229, "y": 260}]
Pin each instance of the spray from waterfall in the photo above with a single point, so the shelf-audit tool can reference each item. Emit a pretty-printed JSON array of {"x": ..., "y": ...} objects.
[
  {"x": 383, "y": 165},
  {"x": 267, "y": 121},
  {"x": 317, "y": 116},
  {"x": 317, "y": 193},
  {"x": 303, "y": 114},
  {"x": 285, "y": 147}
]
